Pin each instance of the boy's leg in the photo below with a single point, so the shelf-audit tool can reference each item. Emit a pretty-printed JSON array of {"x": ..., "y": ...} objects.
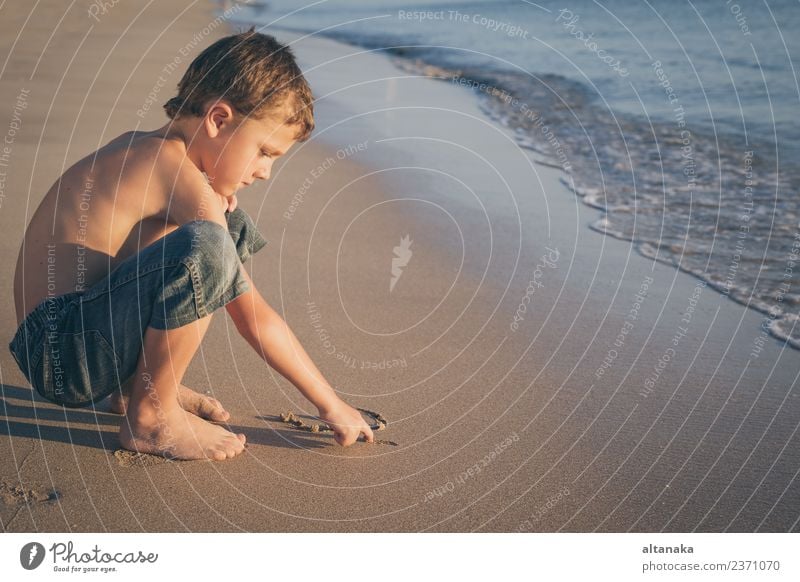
[
  {"x": 207, "y": 278},
  {"x": 202, "y": 405},
  {"x": 247, "y": 240},
  {"x": 145, "y": 321},
  {"x": 85, "y": 345},
  {"x": 155, "y": 422}
]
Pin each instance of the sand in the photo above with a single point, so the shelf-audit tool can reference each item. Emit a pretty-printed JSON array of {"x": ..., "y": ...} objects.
[{"x": 500, "y": 427}]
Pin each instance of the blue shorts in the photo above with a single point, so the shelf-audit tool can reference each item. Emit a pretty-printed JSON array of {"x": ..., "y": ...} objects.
[{"x": 78, "y": 348}]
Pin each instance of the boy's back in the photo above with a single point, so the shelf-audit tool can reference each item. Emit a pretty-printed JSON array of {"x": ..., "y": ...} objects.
[{"x": 102, "y": 210}]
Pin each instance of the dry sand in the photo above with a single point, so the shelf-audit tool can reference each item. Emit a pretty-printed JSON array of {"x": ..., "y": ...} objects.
[{"x": 499, "y": 429}]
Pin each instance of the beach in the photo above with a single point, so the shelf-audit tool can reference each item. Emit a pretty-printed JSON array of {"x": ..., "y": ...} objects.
[{"x": 537, "y": 375}]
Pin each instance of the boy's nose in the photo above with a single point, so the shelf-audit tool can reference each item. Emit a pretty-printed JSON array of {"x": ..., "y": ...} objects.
[{"x": 263, "y": 173}]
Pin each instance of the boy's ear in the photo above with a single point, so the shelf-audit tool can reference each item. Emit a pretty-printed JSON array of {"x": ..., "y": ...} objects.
[{"x": 219, "y": 115}]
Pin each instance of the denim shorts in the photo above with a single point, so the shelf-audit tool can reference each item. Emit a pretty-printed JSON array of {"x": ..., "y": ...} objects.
[{"x": 75, "y": 349}]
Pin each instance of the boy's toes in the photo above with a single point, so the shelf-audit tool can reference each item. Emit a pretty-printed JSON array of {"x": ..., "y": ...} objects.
[
  {"x": 242, "y": 438},
  {"x": 203, "y": 406},
  {"x": 211, "y": 409},
  {"x": 233, "y": 448}
]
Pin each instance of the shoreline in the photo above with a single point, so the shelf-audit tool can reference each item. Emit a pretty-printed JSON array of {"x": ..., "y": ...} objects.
[
  {"x": 435, "y": 72},
  {"x": 778, "y": 320},
  {"x": 720, "y": 330},
  {"x": 492, "y": 422}
]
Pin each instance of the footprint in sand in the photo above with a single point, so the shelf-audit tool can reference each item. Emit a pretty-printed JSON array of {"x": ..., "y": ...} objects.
[
  {"x": 17, "y": 494},
  {"x": 130, "y": 459}
]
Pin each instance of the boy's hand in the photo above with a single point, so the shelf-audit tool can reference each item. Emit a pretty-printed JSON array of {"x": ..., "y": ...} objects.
[
  {"x": 347, "y": 424},
  {"x": 228, "y": 203}
]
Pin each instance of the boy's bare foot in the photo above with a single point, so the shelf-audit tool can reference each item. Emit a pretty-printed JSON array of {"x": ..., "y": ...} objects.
[
  {"x": 177, "y": 434},
  {"x": 191, "y": 401}
]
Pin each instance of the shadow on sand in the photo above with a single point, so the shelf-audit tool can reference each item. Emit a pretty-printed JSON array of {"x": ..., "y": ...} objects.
[{"x": 23, "y": 413}]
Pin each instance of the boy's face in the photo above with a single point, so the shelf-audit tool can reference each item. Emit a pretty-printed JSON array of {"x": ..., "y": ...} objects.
[{"x": 240, "y": 151}]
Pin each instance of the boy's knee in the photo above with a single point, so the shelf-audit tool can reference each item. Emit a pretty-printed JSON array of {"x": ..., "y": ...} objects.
[
  {"x": 210, "y": 247},
  {"x": 208, "y": 275},
  {"x": 245, "y": 235}
]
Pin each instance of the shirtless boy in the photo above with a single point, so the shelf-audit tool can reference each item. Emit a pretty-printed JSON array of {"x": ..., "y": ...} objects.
[{"x": 137, "y": 245}]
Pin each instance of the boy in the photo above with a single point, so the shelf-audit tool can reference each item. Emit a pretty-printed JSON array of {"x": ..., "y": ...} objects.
[{"x": 134, "y": 247}]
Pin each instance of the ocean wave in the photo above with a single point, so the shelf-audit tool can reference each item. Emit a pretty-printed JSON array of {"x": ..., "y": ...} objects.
[
  {"x": 708, "y": 204},
  {"x": 711, "y": 203}
]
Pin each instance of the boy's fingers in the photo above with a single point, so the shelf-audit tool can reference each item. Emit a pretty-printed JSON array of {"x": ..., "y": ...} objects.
[
  {"x": 368, "y": 434},
  {"x": 347, "y": 438},
  {"x": 342, "y": 438},
  {"x": 232, "y": 203}
]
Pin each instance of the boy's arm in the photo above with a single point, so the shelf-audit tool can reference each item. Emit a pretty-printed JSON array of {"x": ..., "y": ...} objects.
[
  {"x": 192, "y": 198},
  {"x": 270, "y": 336},
  {"x": 189, "y": 196}
]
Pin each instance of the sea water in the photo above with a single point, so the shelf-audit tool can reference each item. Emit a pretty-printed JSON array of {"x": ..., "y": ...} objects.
[{"x": 678, "y": 120}]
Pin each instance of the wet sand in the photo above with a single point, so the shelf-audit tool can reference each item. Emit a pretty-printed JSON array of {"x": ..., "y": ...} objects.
[{"x": 497, "y": 355}]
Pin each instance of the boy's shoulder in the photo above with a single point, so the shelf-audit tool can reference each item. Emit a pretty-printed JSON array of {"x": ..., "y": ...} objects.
[
  {"x": 149, "y": 146},
  {"x": 130, "y": 155},
  {"x": 148, "y": 162},
  {"x": 161, "y": 160},
  {"x": 186, "y": 190}
]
